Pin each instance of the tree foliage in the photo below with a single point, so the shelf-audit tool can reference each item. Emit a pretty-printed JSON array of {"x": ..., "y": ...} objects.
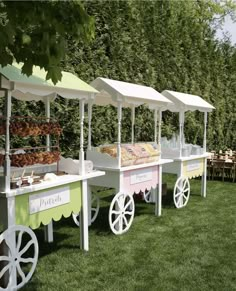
[{"x": 36, "y": 33}]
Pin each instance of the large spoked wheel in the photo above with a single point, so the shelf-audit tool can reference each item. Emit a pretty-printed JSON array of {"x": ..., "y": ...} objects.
[
  {"x": 22, "y": 256},
  {"x": 181, "y": 192},
  {"x": 121, "y": 213},
  {"x": 95, "y": 206}
]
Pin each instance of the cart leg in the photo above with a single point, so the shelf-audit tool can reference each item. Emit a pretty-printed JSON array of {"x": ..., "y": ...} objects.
[
  {"x": 158, "y": 200},
  {"x": 83, "y": 218},
  {"x": 48, "y": 232},
  {"x": 204, "y": 180}
]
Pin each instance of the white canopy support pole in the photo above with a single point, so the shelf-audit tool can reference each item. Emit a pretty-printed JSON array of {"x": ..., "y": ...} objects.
[
  {"x": 205, "y": 130},
  {"x": 81, "y": 153},
  {"x": 7, "y": 164},
  {"x": 204, "y": 176},
  {"x": 48, "y": 229},
  {"x": 119, "y": 108},
  {"x": 155, "y": 126},
  {"x": 133, "y": 121},
  {"x": 159, "y": 130},
  {"x": 90, "y": 108},
  {"x": 181, "y": 132},
  {"x": 47, "y": 111}
]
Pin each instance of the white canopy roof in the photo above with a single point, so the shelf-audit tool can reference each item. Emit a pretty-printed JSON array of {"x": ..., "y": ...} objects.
[
  {"x": 37, "y": 88},
  {"x": 112, "y": 91},
  {"x": 185, "y": 102}
]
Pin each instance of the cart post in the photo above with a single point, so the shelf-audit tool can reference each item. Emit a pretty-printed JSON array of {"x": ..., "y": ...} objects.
[
  {"x": 81, "y": 153},
  {"x": 90, "y": 108},
  {"x": 204, "y": 176},
  {"x": 7, "y": 163},
  {"x": 133, "y": 121},
  {"x": 84, "y": 240},
  {"x": 48, "y": 229}
]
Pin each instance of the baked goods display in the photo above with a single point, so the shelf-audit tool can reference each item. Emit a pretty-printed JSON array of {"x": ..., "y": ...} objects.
[
  {"x": 133, "y": 154},
  {"x": 31, "y": 128},
  {"x": 29, "y": 159}
]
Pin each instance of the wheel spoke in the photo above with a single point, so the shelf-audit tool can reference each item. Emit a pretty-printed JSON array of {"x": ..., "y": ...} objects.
[
  {"x": 120, "y": 223},
  {"x": 115, "y": 221},
  {"x": 127, "y": 205},
  {"x": 179, "y": 188},
  {"x": 128, "y": 213},
  {"x": 5, "y": 269},
  {"x": 179, "y": 193},
  {"x": 125, "y": 220},
  {"x": 186, "y": 190},
  {"x": 179, "y": 200},
  {"x": 121, "y": 202},
  {"x": 21, "y": 273},
  {"x": 5, "y": 258},
  {"x": 184, "y": 184},
  {"x": 28, "y": 245},
  {"x": 26, "y": 260},
  {"x": 116, "y": 212},
  {"x": 19, "y": 241}
]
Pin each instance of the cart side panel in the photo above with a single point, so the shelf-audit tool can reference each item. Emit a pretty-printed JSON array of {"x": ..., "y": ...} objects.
[
  {"x": 51, "y": 203},
  {"x": 193, "y": 168},
  {"x": 141, "y": 179}
]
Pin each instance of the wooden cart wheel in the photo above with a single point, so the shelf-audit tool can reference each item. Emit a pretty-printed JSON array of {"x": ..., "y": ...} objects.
[
  {"x": 181, "y": 192},
  {"x": 95, "y": 206},
  {"x": 121, "y": 213},
  {"x": 18, "y": 261},
  {"x": 147, "y": 195}
]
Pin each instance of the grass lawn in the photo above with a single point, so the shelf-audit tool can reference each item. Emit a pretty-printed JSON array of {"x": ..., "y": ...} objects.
[{"x": 186, "y": 249}]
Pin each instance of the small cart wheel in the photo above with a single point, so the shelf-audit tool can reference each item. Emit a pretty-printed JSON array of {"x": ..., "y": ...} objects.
[
  {"x": 18, "y": 261},
  {"x": 147, "y": 196},
  {"x": 181, "y": 192},
  {"x": 95, "y": 206},
  {"x": 121, "y": 213}
]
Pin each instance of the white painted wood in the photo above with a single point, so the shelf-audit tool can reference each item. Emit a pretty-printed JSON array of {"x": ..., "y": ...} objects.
[
  {"x": 121, "y": 213},
  {"x": 48, "y": 232},
  {"x": 181, "y": 192},
  {"x": 155, "y": 125},
  {"x": 102, "y": 159},
  {"x": 158, "y": 205},
  {"x": 119, "y": 112},
  {"x": 90, "y": 108},
  {"x": 84, "y": 236},
  {"x": 16, "y": 256},
  {"x": 159, "y": 129},
  {"x": 81, "y": 153},
  {"x": 204, "y": 180},
  {"x": 205, "y": 132},
  {"x": 47, "y": 111},
  {"x": 66, "y": 179},
  {"x": 7, "y": 164},
  {"x": 181, "y": 132},
  {"x": 133, "y": 122}
]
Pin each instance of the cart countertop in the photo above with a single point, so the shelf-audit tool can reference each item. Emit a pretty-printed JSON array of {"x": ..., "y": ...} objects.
[
  {"x": 134, "y": 167},
  {"x": 192, "y": 157},
  {"x": 62, "y": 180}
]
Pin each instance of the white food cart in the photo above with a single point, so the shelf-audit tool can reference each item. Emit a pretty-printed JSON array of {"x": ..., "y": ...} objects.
[
  {"x": 28, "y": 206},
  {"x": 130, "y": 168},
  {"x": 189, "y": 160}
]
